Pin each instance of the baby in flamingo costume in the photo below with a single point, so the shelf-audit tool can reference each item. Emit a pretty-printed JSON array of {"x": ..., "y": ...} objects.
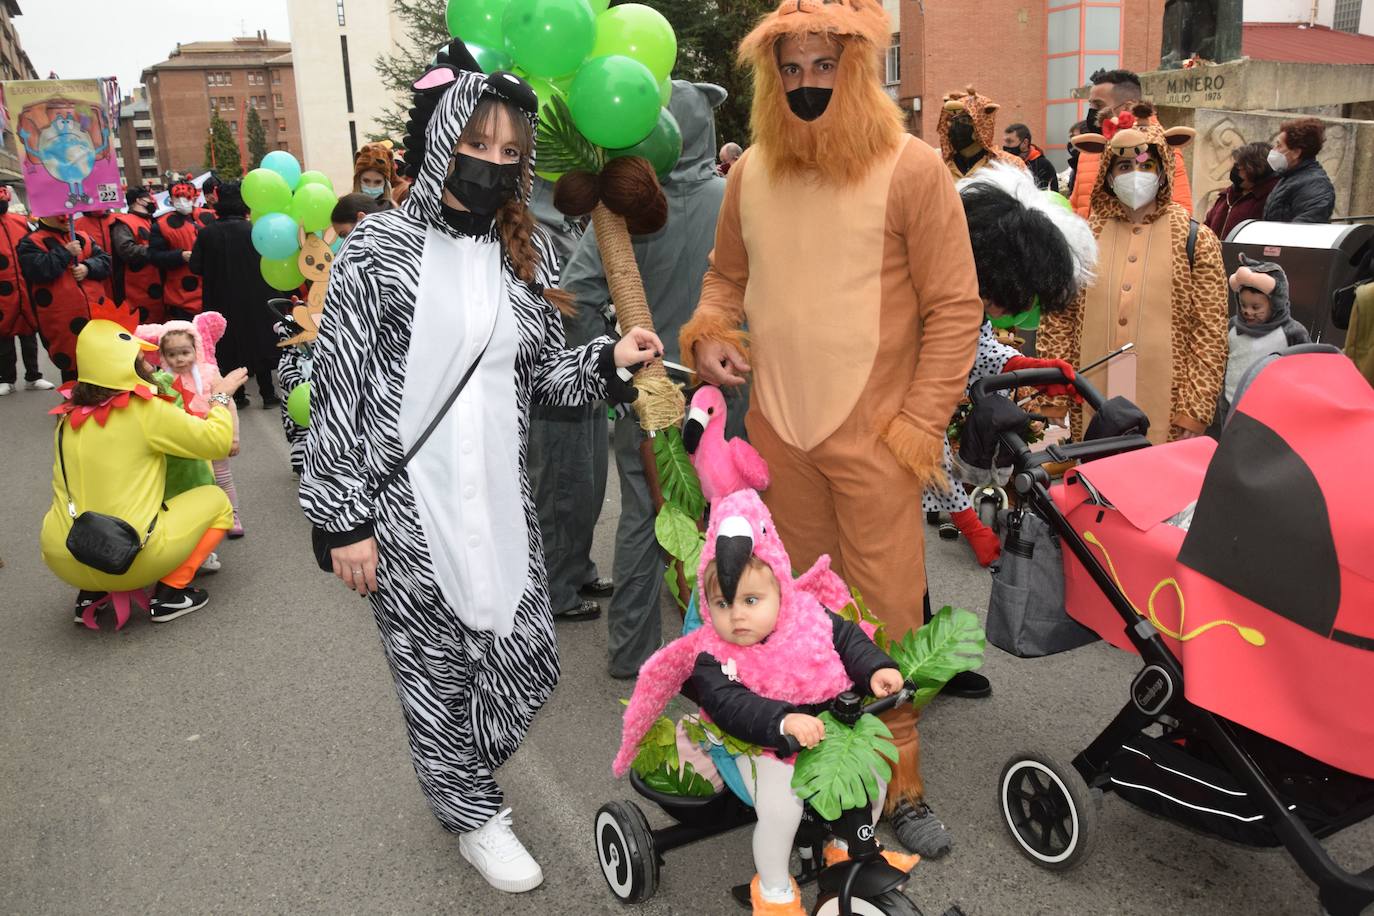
[{"x": 769, "y": 658}]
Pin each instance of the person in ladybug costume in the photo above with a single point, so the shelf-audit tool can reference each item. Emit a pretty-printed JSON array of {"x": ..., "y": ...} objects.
[
  {"x": 16, "y": 316},
  {"x": 63, "y": 270},
  {"x": 169, "y": 248},
  {"x": 96, "y": 224},
  {"x": 136, "y": 280}
]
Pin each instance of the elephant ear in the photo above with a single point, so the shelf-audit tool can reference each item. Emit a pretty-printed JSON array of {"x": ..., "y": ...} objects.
[{"x": 210, "y": 326}]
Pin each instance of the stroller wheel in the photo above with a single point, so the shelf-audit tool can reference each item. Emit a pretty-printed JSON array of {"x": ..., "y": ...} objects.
[
  {"x": 1049, "y": 809},
  {"x": 625, "y": 848},
  {"x": 890, "y": 903}
]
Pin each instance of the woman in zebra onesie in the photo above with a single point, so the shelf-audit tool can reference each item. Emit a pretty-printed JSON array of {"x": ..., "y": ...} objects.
[{"x": 450, "y": 552}]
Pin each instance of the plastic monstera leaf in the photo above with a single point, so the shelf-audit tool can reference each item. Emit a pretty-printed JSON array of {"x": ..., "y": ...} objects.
[
  {"x": 842, "y": 772},
  {"x": 679, "y": 480},
  {"x": 658, "y": 749},
  {"x": 686, "y": 782},
  {"x": 953, "y": 641}
]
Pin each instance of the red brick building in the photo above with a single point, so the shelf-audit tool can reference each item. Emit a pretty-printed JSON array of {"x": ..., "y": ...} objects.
[
  {"x": 1028, "y": 56},
  {"x": 228, "y": 77}
]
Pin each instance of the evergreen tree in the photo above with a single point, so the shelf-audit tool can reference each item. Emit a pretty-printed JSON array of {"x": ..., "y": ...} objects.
[
  {"x": 257, "y": 138},
  {"x": 425, "y": 33},
  {"x": 221, "y": 152}
]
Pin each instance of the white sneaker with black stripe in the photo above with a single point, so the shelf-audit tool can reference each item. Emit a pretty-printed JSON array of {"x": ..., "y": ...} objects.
[
  {"x": 499, "y": 856},
  {"x": 170, "y": 603}
]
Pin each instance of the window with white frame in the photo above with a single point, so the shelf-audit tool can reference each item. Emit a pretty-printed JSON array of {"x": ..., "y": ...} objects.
[{"x": 894, "y": 60}]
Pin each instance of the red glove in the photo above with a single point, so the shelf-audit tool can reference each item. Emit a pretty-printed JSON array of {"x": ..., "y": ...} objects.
[{"x": 1055, "y": 390}]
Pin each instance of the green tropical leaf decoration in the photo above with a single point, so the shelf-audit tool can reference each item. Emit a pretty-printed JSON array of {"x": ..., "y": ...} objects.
[
  {"x": 657, "y": 749},
  {"x": 953, "y": 641},
  {"x": 842, "y": 772},
  {"x": 561, "y": 146},
  {"x": 678, "y": 534},
  {"x": 857, "y": 612},
  {"x": 670, "y": 579},
  {"x": 686, "y": 782},
  {"x": 676, "y": 477}
]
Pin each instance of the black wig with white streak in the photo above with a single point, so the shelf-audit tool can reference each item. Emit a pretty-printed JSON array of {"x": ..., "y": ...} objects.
[{"x": 1024, "y": 245}]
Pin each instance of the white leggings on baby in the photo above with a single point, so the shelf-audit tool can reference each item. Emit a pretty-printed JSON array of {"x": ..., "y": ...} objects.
[{"x": 780, "y": 812}]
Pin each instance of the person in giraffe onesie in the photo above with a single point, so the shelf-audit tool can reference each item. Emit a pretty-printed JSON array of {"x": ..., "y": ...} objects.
[
  {"x": 841, "y": 243},
  {"x": 1160, "y": 285},
  {"x": 968, "y": 134}
]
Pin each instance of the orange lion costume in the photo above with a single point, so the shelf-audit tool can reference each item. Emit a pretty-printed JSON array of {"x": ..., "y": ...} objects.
[{"x": 841, "y": 244}]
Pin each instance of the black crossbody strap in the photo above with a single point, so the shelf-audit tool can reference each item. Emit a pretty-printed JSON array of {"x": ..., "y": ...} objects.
[
  {"x": 66, "y": 487},
  {"x": 439, "y": 415}
]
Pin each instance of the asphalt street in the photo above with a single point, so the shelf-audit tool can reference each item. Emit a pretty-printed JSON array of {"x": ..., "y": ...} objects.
[{"x": 250, "y": 758}]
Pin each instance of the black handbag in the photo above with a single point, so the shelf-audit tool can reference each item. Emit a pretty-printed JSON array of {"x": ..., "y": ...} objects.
[
  {"x": 319, "y": 537},
  {"x": 103, "y": 542}
]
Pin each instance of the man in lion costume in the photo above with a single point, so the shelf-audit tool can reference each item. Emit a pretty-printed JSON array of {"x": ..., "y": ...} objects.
[{"x": 842, "y": 246}]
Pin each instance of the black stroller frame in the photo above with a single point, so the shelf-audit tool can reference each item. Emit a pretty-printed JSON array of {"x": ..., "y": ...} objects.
[{"x": 1050, "y": 809}]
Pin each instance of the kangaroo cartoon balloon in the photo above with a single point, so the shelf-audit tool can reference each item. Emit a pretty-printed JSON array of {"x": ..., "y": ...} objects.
[{"x": 65, "y": 147}]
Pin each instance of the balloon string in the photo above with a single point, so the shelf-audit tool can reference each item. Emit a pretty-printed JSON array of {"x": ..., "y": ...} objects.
[{"x": 1249, "y": 634}]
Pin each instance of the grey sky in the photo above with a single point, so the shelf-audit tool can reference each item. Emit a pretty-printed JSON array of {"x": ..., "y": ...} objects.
[{"x": 121, "y": 37}]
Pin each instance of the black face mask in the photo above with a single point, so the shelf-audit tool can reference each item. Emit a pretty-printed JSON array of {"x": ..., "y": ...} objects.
[
  {"x": 1091, "y": 121},
  {"x": 1013, "y": 150},
  {"x": 4, "y": 207},
  {"x": 482, "y": 186},
  {"x": 808, "y": 102},
  {"x": 1235, "y": 175},
  {"x": 961, "y": 135}
]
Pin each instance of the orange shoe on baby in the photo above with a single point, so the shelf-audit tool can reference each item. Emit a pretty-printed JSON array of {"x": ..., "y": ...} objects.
[
  {"x": 834, "y": 853},
  {"x": 764, "y": 907}
]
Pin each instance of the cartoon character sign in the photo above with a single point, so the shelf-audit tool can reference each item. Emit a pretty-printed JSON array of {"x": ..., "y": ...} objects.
[{"x": 63, "y": 134}]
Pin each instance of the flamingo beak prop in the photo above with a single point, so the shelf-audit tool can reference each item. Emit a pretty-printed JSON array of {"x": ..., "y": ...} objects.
[
  {"x": 734, "y": 547},
  {"x": 694, "y": 429}
]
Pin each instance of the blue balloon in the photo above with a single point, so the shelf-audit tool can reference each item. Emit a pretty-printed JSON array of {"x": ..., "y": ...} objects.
[
  {"x": 285, "y": 165},
  {"x": 275, "y": 236}
]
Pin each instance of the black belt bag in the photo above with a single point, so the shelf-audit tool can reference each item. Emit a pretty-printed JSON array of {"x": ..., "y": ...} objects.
[{"x": 103, "y": 542}]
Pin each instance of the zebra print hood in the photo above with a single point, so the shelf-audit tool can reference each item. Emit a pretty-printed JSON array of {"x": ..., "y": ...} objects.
[{"x": 462, "y": 90}]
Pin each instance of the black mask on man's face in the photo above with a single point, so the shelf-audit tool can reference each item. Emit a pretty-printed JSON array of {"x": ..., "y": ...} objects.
[
  {"x": 1014, "y": 150},
  {"x": 961, "y": 135},
  {"x": 482, "y": 186},
  {"x": 4, "y": 207},
  {"x": 808, "y": 102}
]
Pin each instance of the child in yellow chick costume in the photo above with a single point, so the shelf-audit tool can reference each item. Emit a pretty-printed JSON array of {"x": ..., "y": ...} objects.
[{"x": 117, "y": 465}]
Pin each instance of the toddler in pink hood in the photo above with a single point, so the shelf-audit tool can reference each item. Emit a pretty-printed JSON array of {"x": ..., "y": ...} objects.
[
  {"x": 767, "y": 658},
  {"x": 186, "y": 349}
]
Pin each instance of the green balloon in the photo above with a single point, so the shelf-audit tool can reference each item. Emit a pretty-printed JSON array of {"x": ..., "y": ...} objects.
[
  {"x": 639, "y": 32},
  {"x": 614, "y": 101},
  {"x": 298, "y": 404},
  {"x": 489, "y": 59},
  {"x": 312, "y": 206},
  {"x": 665, "y": 91},
  {"x": 663, "y": 146},
  {"x": 544, "y": 89},
  {"x": 282, "y": 273},
  {"x": 314, "y": 177},
  {"x": 549, "y": 37},
  {"x": 598, "y": 6},
  {"x": 476, "y": 21},
  {"x": 264, "y": 191}
]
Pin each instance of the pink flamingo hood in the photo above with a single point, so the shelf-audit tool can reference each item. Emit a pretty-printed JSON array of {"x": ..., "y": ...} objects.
[
  {"x": 724, "y": 465},
  {"x": 797, "y": 663}
]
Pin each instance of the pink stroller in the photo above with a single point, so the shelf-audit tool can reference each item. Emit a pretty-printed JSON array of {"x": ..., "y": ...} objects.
[{"x": 1242, "y": 573}]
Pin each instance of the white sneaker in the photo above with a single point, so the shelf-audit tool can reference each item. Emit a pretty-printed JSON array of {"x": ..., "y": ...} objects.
[
  {"x": 498, "y": 855},
  {"x": 6, "y": 388},
  {"x": 211, "y": 564},
  {"x": 41, "y": 384}
]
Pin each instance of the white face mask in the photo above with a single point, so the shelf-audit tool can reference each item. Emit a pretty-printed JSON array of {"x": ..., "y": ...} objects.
[
  {"x": 1136, "y": 189},
  {"x": 1277, "y": 160},
  {"x": 182, "y": 206}
]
